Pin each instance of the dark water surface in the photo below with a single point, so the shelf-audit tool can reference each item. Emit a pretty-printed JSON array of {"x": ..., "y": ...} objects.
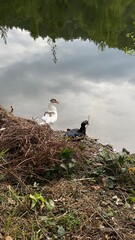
[{"x": 73, "y": 51}]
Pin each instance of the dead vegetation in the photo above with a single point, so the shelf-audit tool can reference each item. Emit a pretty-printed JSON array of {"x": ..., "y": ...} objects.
[
  {"x": 30, "y": 148},
  {"x": 54, "y": 188}
]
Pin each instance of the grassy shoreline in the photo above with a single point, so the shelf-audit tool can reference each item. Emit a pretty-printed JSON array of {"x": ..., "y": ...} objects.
[{"x": 56, "y": 188}]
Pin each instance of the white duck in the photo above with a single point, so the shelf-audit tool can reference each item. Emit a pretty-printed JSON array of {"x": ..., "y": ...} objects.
[{"x": 50, "y": 115}]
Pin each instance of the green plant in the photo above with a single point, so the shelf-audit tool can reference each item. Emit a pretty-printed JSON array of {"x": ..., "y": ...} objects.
[
  {"x": 2, "y": 153},
  {"x": 82, "y": 146},
  {"x": 66, "y": 154},
  {"x": 113, "y": 161},
  {"x": 38, "y": 199},
  {"x": 69, "y": 221},
  {"x": 61, "y": 231},
  {"x": 49, "y": 204},
  {"x": 68, "y": 166},
  {"x": 13, "y": 194},
  {"x": 36, "y": 235},
  {"x": 127, "y": 50},
  {"x": 49, "y": 221},
  {"x": 132, "y": 198}
]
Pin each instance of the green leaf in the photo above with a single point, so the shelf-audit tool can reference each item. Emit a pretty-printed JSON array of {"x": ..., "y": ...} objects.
[
  {"x": 71, "y": 165},
  {"x": 63, "y": 166},
  {"x": 32, "y": 197},
  {"x": 61, "y": 231},
  {"x": 66, "y": 153},
  {"x": 45, "y": 218},
  {"x": 48, "y": 220},
  {"x": 50, "y": 204},
  {"x": 73, "y": 160},
  {"x": 133, "y": 191},
  {"x": 110, "y": 183},
  {"x": 132, "y": 199},
  {"x": 36, "y": 198},
  {"x": 3, "y": 152},
  {"x": 121, "y": 159}
]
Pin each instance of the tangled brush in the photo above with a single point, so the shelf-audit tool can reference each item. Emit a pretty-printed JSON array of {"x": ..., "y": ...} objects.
[{"x": 30, "y": 148}]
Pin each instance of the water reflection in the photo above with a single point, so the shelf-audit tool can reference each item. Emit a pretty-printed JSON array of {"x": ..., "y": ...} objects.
[
  {"x": 84, "y": 80},
  {"x": 105, "y": 22}
]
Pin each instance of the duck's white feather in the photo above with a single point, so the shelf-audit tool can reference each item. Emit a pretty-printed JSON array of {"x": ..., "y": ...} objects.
[{"x": 51, "y": 115}]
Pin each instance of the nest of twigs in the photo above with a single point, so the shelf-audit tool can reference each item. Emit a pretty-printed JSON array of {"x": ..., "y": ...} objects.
[{"x": 29, "y": 148}]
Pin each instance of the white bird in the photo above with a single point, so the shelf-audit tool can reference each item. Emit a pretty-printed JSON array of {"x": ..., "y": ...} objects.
[{"x": 50, "y": 115}]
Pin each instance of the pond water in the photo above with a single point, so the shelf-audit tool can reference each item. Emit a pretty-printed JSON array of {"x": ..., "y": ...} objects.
[{"x": 88, "y": 75}]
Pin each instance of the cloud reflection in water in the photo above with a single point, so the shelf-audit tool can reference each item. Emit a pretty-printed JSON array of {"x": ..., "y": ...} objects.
[{"x": 84, "y": 80}]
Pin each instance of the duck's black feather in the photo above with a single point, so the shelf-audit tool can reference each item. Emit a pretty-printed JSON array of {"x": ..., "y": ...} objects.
[{"x": 75, "y": 132}]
